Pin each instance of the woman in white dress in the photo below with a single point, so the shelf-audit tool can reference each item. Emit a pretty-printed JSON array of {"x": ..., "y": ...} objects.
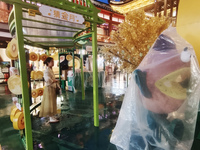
[{"x": 49, "y": 103}]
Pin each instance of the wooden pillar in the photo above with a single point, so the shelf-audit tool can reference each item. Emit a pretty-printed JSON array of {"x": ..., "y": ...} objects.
[
  {"x": 171, "y": 7},
  {"x": 165, "y": 7},
  {"x": 177, "y": 3},
  {"x": 159, "y": 9},
  {"x": 110, "y": 25},
  {"x": 155, "y": 8},
  {"x": 12, "y": 63}
]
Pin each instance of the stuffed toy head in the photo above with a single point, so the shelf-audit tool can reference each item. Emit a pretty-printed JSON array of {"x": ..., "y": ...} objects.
[{"x": 163, "y": 76}]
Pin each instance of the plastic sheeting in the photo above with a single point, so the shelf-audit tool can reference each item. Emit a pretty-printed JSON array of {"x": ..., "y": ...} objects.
[{"x": 160, "y": 106}]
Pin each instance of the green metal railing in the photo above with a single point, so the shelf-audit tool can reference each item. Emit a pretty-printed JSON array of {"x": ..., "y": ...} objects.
[
  {"x": 90, "y": 14},
  {"x": 23, "y": 75}
]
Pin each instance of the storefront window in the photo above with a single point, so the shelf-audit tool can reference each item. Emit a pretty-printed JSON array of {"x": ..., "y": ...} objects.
[
  {"x": 121, "y": 20},
  {"x": 100, "y": 15},
  {"x": 103, "y": 33},
  {"x": 115, "y": 19},
  {"x": 106, "y": 16}
]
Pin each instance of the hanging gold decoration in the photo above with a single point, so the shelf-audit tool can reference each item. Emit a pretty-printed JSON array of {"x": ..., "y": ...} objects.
[
  {"x": 40, "y": 91},
  {"x": 33, "y": 56},
  {"x": 77, "y": 63},
  {"x": 39, "y": 74},
  {"x": 134, "y": 38},
  {"x": 36, "y": 75},
  {"x": 18, "y": 121},
  {"x": 69, "y": 57},
  {"x": 43, "y": 57},
  {"x": 34, "y": 93},
  {"x": 38, "y": 57},
  {"x": 11, "y": 50},
  {"x": 14, "y": 84},
  {"x": 33, "y": 75}
]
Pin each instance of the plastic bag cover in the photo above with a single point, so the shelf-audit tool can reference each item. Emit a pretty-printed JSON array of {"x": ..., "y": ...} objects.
[{"x": 160, "y": 106}]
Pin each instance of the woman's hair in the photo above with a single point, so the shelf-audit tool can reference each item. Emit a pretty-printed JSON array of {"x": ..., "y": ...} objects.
[{"x": 48, "y": 60}]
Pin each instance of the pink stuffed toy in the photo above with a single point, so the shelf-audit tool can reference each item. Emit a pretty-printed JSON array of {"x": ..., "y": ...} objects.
[
  {"x": 163, "y": 76},
  {"x": 159, "y": 110}
]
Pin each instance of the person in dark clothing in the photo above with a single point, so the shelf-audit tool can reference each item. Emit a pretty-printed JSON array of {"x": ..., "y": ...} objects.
[{"x": 115, "y": 69}]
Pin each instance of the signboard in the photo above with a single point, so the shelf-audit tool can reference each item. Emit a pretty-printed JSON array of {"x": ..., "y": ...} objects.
[
  {"x": 60, "y": 14},
  {"x": 89, "y": 48}
]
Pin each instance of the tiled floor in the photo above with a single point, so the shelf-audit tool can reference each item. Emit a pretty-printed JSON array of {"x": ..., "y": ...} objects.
[
  {"x": 75, "y": 131},
  {"x": 9, "y": 138}
]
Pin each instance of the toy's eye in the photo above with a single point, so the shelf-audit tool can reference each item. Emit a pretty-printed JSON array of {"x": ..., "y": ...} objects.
[
  {"x": 185, "y": 55},
  {"x": 164, "y": 43},
  {"x": 140, "y": 78}
]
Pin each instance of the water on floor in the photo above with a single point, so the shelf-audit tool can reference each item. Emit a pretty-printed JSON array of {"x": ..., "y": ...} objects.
[{"x": 76, "y": 130}]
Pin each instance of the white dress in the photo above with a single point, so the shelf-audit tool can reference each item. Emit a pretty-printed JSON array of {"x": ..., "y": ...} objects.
[{"x": 49, "y": 104}]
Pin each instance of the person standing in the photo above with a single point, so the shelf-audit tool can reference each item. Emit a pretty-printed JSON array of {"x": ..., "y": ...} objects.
[
  {"x": 115, "y": 69},
  {"x": 49, "y": 103}
]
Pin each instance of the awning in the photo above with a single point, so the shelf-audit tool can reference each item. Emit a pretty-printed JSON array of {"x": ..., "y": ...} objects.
[{"x": 46, "y": 32}]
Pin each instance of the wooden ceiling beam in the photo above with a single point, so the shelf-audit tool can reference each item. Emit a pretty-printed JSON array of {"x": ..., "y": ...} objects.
[{"x": 4, "y": 30}]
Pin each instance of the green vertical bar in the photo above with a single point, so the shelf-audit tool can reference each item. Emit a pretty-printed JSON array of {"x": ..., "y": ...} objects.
[
  {"x": 82, "y": 78},
  {"x": 95, "y": 75},
  {"x": 23, "y": 75},
  {"x": 73, "y": 64},
  {"x": 59, "y": 67},
  {"x": 73, "y": 82},
  {"x": 104, "y": 66}
]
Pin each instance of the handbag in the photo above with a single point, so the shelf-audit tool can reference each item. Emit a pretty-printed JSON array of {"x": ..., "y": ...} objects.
[{"x": 57, "y": 89}]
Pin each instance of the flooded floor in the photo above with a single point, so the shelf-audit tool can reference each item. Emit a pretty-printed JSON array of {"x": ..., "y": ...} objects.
[{"x": 76, "y": 130}]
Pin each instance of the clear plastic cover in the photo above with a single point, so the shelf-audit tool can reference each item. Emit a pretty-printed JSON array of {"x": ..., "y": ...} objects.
[{"x": 160, "y": 106}]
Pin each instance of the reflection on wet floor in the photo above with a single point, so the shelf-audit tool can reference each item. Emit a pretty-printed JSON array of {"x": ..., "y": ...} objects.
[{"x": 75, "y": 130}]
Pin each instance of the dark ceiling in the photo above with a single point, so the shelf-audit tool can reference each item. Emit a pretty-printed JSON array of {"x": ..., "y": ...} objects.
[{"x": 4, "y": 39}]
